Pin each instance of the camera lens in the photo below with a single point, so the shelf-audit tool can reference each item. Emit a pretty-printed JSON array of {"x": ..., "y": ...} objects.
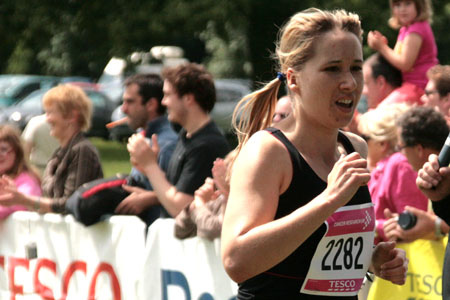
[{"x": 406, "y": 220}]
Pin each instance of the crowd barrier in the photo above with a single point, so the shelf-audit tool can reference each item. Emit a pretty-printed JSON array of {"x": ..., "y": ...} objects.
[{"x": 114, "y": 259}]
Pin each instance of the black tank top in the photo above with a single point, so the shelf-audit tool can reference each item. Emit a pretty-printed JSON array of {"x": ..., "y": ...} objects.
[{"x": 284, "y": 280}]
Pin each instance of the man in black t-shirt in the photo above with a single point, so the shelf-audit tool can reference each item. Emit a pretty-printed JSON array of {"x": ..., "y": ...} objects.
[{"x": 189, "y": 95}]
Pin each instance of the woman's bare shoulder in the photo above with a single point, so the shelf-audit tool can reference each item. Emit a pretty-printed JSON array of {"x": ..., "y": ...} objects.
[{"x": 264, "y": 153}]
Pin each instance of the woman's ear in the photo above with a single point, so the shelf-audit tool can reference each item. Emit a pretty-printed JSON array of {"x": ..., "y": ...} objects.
[
  {"x": 73, "y": 116},
  {"x": 291, "y": 81},
  {"x": 385, "y": 146}
]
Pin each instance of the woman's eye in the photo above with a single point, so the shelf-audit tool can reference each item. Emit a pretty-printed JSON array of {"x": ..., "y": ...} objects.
[{"x": 332, "y": 69}]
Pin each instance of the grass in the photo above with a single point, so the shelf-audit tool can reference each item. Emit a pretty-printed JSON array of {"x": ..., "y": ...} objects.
[
  {"x": 115, "y": 158},
  {"x": 113, "y": 155}
]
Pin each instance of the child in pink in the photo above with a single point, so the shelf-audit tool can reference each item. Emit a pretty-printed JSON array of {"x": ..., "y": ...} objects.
[{"x": 415, "y": 50}]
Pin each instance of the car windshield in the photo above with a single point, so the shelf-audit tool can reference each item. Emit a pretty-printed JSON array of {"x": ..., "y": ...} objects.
[
  {"x": 97, "y": 99},
  {"x": 9, "y": 84}
]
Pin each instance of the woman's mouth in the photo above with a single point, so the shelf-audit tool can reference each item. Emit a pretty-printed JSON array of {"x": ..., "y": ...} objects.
[{"x": 346, "y": 103}]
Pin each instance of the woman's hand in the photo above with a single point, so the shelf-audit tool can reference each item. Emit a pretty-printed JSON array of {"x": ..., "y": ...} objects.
[
  {"x": 9, "y": 195},
  {"x": 219, "y": 172},
  {"x": 204, "y": 193},
  {"x": 390, "y": 263},
  {"x": 348, "y": 174}
]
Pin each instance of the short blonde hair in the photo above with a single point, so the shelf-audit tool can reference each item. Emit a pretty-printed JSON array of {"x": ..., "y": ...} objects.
[
  {"x": 424, "y": 12},
  {"x": 67, "y": 98},
  {"x": 380, "y": 125}
]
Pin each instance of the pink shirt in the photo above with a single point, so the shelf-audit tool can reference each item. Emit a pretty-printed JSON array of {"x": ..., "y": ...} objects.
[
  {"x": 407, "y": 93},
  {"x": 427, "y": 56},
  {"x": 26, "y": 184},
  {"x": 393, "y": 185}
]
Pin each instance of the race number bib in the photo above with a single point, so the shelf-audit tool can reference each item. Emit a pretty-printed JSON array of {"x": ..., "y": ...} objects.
[{"x": 344, "y": 253}]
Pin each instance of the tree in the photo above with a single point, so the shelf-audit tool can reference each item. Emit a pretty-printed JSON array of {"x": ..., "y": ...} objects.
[{"x": 235, "y": 38}]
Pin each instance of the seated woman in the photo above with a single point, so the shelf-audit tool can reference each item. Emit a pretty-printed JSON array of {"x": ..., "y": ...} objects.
[
  {"x": 392, "y": 183},
  {"x": 14, "y": 166},
  {"x": 75, "y": 162}
]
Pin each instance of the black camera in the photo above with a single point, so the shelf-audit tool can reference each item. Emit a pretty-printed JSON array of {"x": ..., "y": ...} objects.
[{"x": 407, "y": 220}]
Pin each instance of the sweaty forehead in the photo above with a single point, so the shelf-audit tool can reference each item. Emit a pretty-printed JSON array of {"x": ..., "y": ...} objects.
[{"x": 338, "y": 45}]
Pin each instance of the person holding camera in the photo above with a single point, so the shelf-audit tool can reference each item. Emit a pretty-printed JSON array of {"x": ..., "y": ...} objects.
[
  {"x": 434, "y": 181},
  {"x": 422, "y": 132}
]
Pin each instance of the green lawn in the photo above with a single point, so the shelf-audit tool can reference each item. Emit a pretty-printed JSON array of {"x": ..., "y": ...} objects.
[
  {"x": 113, "y": 155},
  {"x": 115, "y": 158}
]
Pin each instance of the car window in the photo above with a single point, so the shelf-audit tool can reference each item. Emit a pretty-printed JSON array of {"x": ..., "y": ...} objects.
[
  {"x": 32, "y": 102},
  {"x": 47, "y": 84},
  {"x": 23, "y": 90},
  {"x": 226, "y": 95},
  {"x": 9, "y": 84},
  {"x": 97, "y": 100}
]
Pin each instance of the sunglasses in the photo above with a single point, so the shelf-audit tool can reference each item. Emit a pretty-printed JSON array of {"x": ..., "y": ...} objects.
[{"x": 5, "y": 150}]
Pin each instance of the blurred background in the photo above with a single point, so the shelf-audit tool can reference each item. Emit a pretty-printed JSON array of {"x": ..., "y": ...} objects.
[
  {"x": 234, "y": 38},
  {"x": 96, "y": 44}
]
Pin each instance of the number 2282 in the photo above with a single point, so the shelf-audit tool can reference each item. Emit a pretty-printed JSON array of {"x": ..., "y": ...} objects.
[{"x": 343, "y": 247}]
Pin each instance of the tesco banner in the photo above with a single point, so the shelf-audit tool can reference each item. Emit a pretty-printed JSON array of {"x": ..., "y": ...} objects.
[
  {"x": 110, "y": 260},
  {"x": 185, "y": 269}
]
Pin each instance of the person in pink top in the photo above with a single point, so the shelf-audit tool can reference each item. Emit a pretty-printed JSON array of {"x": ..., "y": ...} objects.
[
  {"x": 13, "y": 166},
  {"x": 415, "y": 50},
  {"x": 392, "y": 182}
]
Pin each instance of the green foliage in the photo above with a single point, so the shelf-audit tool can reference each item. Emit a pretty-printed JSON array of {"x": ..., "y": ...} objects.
[
  {"x": 235, "y": 38},
  {"x": 113, "y": 156},
  {"x": 229, "y": 52},
  {"x": 20, "y": 59}
]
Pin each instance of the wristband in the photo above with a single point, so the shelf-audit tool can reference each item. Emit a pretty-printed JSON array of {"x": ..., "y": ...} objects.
[{"x": 437, "y": 227}]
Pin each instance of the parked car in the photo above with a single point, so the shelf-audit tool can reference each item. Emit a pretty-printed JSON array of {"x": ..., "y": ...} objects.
[
  {"x": 20, "y": 113},
  {"x": 229, "y": 92},
  {"x": 14, "y": 88}
]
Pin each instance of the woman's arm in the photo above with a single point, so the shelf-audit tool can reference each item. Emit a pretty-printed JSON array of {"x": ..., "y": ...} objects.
[
  {"x": 209, "y": 218},
  {"x": 184, "y": 227},
  {"x": 10, "y": 195},
  {"x": 252, "y": 241}
]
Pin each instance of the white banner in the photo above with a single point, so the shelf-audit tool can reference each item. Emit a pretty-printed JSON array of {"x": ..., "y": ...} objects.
[
  {"x": 109, "y": 260},
  {"x": 185, "y": 269}
]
